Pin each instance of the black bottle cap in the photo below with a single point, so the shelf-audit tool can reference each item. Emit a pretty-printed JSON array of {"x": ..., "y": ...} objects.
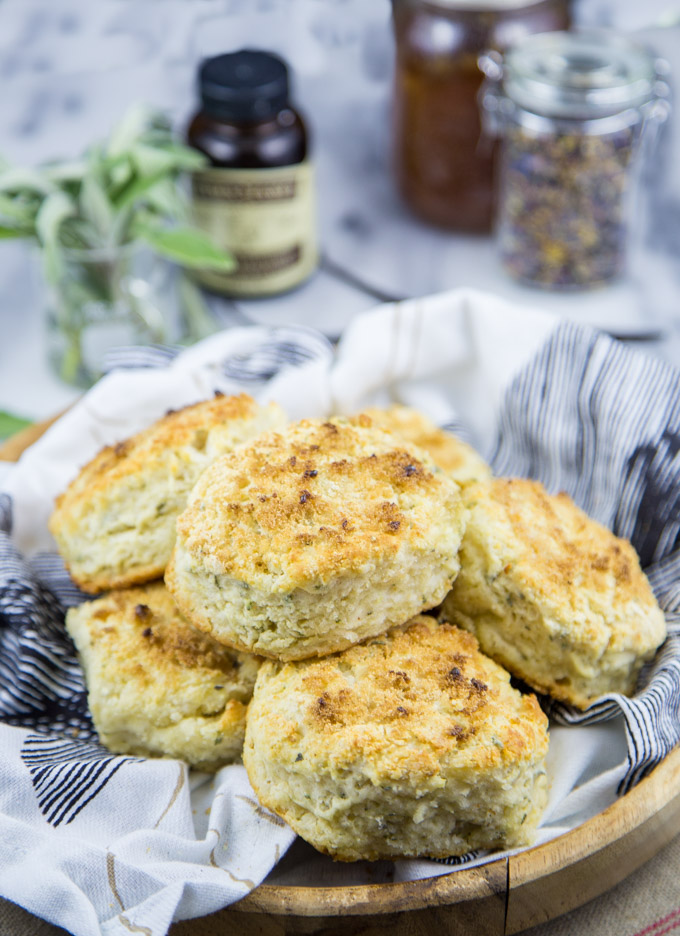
[{"x": 246, "y": 85}]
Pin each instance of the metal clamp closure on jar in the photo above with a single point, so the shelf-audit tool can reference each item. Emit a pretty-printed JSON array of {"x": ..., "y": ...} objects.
[{"x": 571, "y": 109}]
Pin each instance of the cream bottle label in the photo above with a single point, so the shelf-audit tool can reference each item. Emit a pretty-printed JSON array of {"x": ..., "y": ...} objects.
[{"x": 265, "y": 218}]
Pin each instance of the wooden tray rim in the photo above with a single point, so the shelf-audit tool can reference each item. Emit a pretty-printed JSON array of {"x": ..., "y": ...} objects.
[{"x": 625, "y": 815}]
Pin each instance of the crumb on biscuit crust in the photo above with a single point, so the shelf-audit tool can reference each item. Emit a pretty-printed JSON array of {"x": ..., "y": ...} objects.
[
  {"x": 412, "y": 744},
  {"x": 143, "y": 636},
  {"x": 115, "y": 523},
  {"x": 411, "y": 700},
  {"x": 156, "y": 685},
  {"x": 446, "y": 450},
  {"x": 553, "y": 595},
  {"x": 176, "y": 428},
  {"x": 560, "y": 552},
  {"x": 322, "y": 498}
]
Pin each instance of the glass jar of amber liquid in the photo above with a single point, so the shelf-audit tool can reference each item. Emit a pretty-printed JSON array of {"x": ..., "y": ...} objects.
[
  {"x": 444, "y": 162},
  {"x": 256, "y": 199}
]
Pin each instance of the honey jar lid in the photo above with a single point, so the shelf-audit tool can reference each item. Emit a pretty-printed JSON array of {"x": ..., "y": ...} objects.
[{"x": 585, "y": 74}]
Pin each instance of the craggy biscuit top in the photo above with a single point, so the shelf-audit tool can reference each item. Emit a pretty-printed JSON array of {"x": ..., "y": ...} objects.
[
  {"x": 577, "y": 567},
  {"x": 192, "y": 427},
  {"x": 447, "y": 451},
  {"x": 140, "y": 637},
  {"x": 412, "y": 703},
  {"x": 115, "y": 523},
  {"x": 316, "y": 500}
]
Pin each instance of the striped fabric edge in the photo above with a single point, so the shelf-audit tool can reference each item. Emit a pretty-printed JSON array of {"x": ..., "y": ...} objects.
[
  {"x": 461, "y": 859},
  {"x": 49, "y": 569},
  {"x": 66, "y": 775},
  {"x": 458, "y": 429},
  {"x": 41, "y": 682},
  {"x": 565, "y": 417},
  {"x": 600, "y": 421},
  {"x": 128, "y": 357},
  {"x": 664, "y": 577},
  {"x": 662, "y": 926},
  {"x": 281, "y": 347},
  {"x": 5, "y": 513}
]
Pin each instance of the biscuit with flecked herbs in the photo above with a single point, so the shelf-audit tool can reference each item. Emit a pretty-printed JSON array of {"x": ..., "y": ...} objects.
[
  {"x": 552, "y": 595},
  {"x": 413, "y": 744},
  {"x": 115, "y": 523},
  {"x": 445, "y": 449},
  {"x": 312, "y": 539},
  {"x": 158, "y": 687}
]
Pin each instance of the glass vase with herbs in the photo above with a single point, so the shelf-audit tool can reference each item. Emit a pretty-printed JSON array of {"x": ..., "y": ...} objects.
[{"x": 114, "y": 238}]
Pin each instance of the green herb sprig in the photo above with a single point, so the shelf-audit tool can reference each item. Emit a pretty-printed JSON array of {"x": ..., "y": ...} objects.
[
  {"x": 9, "y": 424},
  {"x": 125, "y": 191}
]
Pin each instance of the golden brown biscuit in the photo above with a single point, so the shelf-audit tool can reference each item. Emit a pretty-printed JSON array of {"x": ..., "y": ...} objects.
[
  {"x": 553, "y": 595},
  {"x": 411, "y": 745},
  {"x": 309, "y": 540},
  {"x": 115, "y": 523},
  {"x": 157, "y": 686},
  {"x": 447, "y": 451}
]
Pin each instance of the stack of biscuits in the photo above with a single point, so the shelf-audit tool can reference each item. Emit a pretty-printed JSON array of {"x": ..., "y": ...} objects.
[{"x": 343, "y": 604}]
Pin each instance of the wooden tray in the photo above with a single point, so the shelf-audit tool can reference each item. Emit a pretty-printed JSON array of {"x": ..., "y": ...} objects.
[{"x": 503, "y": 897}]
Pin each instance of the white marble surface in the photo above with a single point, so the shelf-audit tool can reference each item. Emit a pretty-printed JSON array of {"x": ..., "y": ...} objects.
[{"x": 70, "y": 68}]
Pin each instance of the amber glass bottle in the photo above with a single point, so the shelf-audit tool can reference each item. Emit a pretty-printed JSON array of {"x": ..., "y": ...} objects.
[
  {"x": 444, "y": 163},
  {"x": 257, "y": 197}
]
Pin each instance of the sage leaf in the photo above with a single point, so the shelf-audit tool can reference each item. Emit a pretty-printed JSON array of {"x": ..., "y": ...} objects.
[
  {"x": 18, "y": 209},
  {"x": 95, "y": 207},
  {"x": 151, "y": 160},
  {"x": 129, "y": 129},
  {"x": 53, "y": 212},
  {"x": 135, "y": 190},
  {"x": 78, "y": 234},
  {"x": 188, "y": 247},
  {"x": 165, "y": 199},
  {"x": 25, "y": 180},
  {"x": 184, "y": 157},
  {"x": 9, "y": 424},
  {"x": 122, "y": 223},
  {"x": 65, "y": 171},
  {"x": 7, "y": 233},
  {"x": 121, "y": 171}
]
